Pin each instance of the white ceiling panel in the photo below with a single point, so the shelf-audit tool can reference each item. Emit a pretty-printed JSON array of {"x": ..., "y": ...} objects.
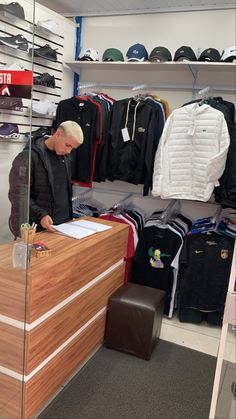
[{"x": 121, "y": 7}]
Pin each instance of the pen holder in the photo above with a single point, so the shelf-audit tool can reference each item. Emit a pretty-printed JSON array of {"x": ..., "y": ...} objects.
[{"x": 27, "y": 234}]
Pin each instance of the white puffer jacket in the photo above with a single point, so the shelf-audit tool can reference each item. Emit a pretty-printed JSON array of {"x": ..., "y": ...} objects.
[{"x": 191, "y": 154}]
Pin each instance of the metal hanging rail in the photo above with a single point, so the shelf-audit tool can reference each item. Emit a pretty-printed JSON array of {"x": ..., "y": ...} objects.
[{"x": 134, "y": 87}]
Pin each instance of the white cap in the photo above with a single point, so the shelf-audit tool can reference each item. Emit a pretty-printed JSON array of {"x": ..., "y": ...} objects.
[
  {"x": 229, "y": 54},
  {"x": 88, "y": 54}
]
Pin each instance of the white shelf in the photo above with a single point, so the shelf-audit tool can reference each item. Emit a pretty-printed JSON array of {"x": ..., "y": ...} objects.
[
  {"x": 28, "y": 26},
  {"x": 182, "y": 75}
]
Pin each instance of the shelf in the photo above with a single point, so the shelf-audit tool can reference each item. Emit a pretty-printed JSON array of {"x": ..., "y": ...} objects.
[
  {"x": 183, "y": 75},
  {"x": 29, "y": 26}
]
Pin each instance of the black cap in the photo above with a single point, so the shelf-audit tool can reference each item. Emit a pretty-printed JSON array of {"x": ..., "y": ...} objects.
[
  {"x": 185, "y": 53},
  {"x": 160, "y": 54},
  {"x": 209, "y": 54}
]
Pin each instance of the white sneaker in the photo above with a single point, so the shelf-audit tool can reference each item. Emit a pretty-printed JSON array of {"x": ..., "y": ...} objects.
[
  {"x": 44, "y": 107},
  {"x": 49, "y": 24},
  {"x": 13, "y": 66}
]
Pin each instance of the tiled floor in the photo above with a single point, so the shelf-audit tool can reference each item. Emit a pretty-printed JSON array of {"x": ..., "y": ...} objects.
[{"x": 201, "y": 337}]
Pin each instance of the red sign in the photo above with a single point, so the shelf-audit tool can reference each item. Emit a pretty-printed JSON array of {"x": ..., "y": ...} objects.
[{"x": 16, "y": 83}]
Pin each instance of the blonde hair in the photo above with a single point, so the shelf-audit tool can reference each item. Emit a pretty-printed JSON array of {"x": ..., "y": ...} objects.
[{"x": 72, "y": 129}]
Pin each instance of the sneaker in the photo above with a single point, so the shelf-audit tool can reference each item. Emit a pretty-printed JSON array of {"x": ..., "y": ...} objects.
[
  {"x": 17, "y": 41},
  {"x": 9, "y": 131},
  {"x": 4, "y": 91},
  {"x": 11, "y": 103},
  {"x": 44, "y": 52},
  {"x": 45, "y": 80},
  {"x": 13, "y": 66},
  {"x": 44, "y": 107},
  {"x": 50, "y": 25},
  {"x": 13, "y": 8},
  {"x": 40, "y": 132}
]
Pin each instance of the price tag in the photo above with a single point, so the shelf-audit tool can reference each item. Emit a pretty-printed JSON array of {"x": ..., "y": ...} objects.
[{"x": 125, "y": 134}]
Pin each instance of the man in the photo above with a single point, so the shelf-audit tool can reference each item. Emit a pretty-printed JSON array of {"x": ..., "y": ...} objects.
[{"x": 43, "y": 175}]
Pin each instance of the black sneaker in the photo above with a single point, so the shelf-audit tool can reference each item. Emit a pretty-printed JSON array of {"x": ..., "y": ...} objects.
[
  {"x": 45, "y": 52},
  {"x": 13, "y": 8},
  {"x": 17, "y": 41},
  {"x": 45, "y": 80},
  {"x": 11, "y": 103},
  {"x": 40, "y": 132}
]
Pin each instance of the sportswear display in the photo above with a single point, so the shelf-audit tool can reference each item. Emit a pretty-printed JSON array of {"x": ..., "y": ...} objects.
[
  {"x": 45, "y": 79},
  {"x": 44, "y": 52},
  {"x": 15, "y": 41},
  {"x": 14, "y": 9}
]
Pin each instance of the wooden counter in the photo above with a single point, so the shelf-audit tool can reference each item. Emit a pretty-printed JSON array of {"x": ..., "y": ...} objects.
[{"x": 53, "y": 315}]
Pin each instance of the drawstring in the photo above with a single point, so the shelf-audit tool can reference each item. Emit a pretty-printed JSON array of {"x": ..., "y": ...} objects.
[{"x": 127, "y": 115}]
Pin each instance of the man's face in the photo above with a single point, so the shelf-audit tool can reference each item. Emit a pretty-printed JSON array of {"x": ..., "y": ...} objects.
[{"x": 64, "y": 145}]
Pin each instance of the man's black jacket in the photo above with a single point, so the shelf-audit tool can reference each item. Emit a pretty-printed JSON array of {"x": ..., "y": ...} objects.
[{"x": 36, "y": 183}]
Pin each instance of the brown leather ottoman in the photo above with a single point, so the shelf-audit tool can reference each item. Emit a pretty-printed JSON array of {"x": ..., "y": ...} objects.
[{"x": 134, "y": 319}]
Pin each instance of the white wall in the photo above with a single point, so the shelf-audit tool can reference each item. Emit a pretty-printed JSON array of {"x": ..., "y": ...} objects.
[{"x": 200, "y": 30}]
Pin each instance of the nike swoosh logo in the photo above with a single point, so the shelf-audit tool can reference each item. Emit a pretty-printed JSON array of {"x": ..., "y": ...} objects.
[
  {"x": 19, "y": 42},
  {"x": 199, "y": 251}
]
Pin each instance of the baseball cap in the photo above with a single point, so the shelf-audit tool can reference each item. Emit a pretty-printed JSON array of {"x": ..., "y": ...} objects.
[
  {"x": 112, "y": 54},
  {"x": 137, "y": 52},
  {"x": 229, "y": 54},
  {"x": 209, "y": 54},
  {"x": 185, "y": 53},
  {"x": 88, "y": 54},
  {"x": 160, "y": 54}
]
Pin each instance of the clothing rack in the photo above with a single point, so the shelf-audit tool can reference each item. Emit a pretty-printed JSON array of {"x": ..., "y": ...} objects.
[
  {"x": 132, "y": 86},
  {"x": 167, "y": 212},
  {"x": 217, "y": 214}
]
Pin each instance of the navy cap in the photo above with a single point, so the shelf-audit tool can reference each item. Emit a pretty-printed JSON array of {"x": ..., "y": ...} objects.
[{"x": 137, "y": 52}]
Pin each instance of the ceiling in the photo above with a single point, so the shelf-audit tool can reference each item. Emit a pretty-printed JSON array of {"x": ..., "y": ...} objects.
[{"x": 124, "y": 7}]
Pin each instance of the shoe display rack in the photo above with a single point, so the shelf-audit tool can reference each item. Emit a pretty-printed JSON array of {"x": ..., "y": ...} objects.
[{"x": 22, "y": 42}]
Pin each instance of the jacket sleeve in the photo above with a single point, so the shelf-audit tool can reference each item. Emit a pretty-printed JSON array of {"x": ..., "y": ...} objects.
[
  {"x": 18, "y": 192},
  {"x": 158, "y": 163},
  {"x": 216, "y": 164}
]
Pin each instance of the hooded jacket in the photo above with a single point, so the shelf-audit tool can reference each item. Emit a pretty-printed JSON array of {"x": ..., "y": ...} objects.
[
  {"x": 192, "y": 153},
  {"x": 38, "y": 186},
  {"x": 131, "y": 159}
]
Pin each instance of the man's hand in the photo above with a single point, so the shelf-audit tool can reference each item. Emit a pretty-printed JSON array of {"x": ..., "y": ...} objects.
[{"x": 46, "y": 222}]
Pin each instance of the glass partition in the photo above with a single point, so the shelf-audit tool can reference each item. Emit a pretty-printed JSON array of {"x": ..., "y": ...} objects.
[{"x": 16, "y": 65}]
